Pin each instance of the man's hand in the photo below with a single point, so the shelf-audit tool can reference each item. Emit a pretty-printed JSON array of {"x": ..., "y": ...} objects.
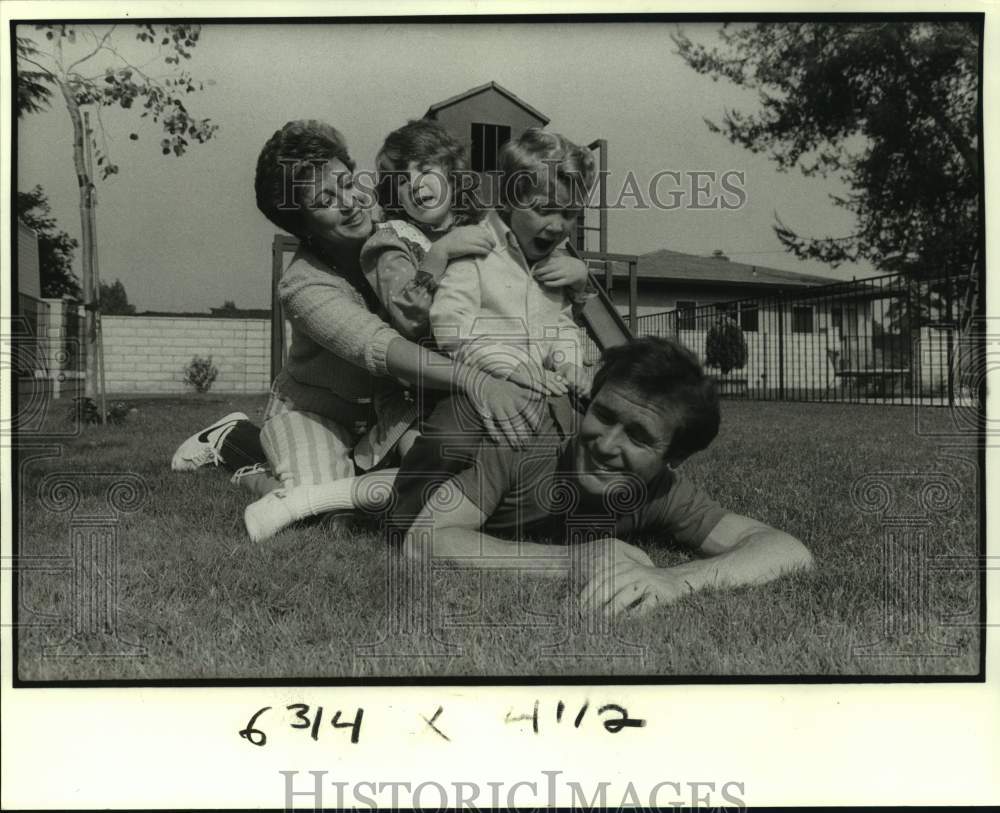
[
  {"x": 737, "y": 551},
  {"x": 561, "y": 271},
  {"x": 619, "y": 577},
  {"x": 465, "y": 241}
]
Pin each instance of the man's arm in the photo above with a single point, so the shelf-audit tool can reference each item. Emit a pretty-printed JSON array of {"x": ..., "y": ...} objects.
[
  {"x": 737, "y": 551},
  {"x": 456, "y": 535}
]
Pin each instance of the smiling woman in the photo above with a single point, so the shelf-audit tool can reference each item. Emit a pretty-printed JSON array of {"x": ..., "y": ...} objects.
[{"x": 321, "y": 400}]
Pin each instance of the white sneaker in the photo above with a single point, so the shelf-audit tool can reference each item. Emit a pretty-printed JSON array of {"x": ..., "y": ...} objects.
[
  {"x": 268, "y": 515},
  {"x": 246, "y": 471},
  {"x": 203, "y": 447}
]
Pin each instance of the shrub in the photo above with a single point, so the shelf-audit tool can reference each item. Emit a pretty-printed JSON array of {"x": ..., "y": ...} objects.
[
  {"x": 200, "y": 373},
  {"x": 85, "y": 410},
  {"x": 725, "y": 346}
]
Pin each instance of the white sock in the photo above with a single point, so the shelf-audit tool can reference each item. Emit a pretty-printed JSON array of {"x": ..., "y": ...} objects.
[
  {"x": 310, "y": 501},
  {"x": 279, "y": 509}
]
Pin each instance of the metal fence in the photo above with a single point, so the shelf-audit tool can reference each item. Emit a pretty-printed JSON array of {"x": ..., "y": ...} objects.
[{"x": 888, "y": 339}]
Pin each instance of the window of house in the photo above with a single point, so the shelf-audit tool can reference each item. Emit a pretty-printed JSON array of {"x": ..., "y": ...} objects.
[
  {"x": 749, "y": 317},
  {"x": 727, "y": 310},
  {"x": 686, "y": 314},
  {"x": 802, "y": 319},
  {"x": 837, "y": 318},
  {"x": 487, "y": 139}
]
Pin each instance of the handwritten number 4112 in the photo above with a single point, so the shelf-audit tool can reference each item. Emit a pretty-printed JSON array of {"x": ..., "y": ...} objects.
[{"x": 305, "y": 717}]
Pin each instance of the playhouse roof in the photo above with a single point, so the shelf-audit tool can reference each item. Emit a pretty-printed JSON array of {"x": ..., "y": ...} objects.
[
  {"x": 434, "y": 108},
  {"x": 675, "y": 266}
]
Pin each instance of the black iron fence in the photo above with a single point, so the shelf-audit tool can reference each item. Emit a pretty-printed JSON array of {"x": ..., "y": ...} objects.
[{"x": 889, "y": 339}]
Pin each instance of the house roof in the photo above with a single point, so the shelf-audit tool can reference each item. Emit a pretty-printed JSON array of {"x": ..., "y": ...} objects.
[
  {"x": 434, "y": 108},
  {"x": 675, "y": 266}
]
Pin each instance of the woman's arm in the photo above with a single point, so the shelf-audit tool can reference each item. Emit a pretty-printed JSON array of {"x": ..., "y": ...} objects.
[
  {"x": 510, "y": 412},
  {"x": 327, "y": 307}
]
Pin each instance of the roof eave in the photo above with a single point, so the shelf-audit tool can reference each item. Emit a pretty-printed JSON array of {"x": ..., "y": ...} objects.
[
  {"x": 433, "y": 110},
  {"x": 726, "y": 282}
]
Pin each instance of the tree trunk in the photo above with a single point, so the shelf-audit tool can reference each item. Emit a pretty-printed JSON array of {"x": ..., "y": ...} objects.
[{"x": 89, "y": 286}]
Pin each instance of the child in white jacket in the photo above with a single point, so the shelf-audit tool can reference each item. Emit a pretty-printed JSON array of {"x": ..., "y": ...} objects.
[{"x": 511, "y": 307}]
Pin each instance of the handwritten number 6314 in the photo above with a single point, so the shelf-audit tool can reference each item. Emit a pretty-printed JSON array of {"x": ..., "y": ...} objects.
[{"x": 305, "y": 717}]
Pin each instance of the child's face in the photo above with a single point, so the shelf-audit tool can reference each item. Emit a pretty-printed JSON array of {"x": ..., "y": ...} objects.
[
  {"x": 543, "y": 221},
  {"x": 426, "y": 195}
]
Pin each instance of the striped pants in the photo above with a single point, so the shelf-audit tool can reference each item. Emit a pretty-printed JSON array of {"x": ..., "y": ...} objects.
[{"x": 304, "y": 448}]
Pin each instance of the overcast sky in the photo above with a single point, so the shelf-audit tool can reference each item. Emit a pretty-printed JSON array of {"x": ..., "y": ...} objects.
[{"x": 184, "y": 234}]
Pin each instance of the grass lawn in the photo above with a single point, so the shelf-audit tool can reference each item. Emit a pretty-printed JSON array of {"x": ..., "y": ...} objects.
[{"x": 204, "y": 602}]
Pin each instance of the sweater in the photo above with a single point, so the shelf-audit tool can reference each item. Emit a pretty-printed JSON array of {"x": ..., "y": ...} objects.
[{"x": 338, "y": 344}]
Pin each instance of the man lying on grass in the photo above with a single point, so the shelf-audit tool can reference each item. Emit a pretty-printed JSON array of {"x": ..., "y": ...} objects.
[{"x": 608, "y": 475}]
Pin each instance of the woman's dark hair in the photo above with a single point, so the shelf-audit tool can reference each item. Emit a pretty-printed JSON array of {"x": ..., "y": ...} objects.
[
  {"x": 664, "y": 370},
  {"x": 297, "y": 148},
  {"x": 423, "y": 141}
]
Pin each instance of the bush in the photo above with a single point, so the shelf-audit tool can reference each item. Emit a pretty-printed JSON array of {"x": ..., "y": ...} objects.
[
  {"x": 725, "y": 346},
  {"x": 200, "y": 373},
  {"x": 85, "y": 410}
]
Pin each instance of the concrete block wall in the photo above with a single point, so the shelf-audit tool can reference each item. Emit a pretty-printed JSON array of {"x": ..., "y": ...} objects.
[{"x": 150, "y": 353}]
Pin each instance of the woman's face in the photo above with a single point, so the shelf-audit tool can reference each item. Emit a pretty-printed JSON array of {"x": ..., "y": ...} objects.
[
  {"x": 425, "y": 194},
  {"x": 333, "y": 210}
]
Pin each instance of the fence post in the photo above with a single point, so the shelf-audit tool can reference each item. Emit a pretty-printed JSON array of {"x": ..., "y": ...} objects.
[
  {"x": 781, "y": 348},
  {"x": 277, "y": 313},
  {"x": 633, "y": 295},
  {"x": 950, "y": 357}
]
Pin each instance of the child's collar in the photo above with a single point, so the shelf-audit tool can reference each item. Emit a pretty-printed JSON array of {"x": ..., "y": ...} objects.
[{"x": 500, "y": 228}]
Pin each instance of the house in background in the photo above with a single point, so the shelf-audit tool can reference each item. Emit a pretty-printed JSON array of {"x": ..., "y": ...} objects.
[
  {"x": 29, "y": 275},
  {"x": 804, "y": 332},
  {"x": 670, "y": 280},
  {"x": 49, "y": 360},
  {"x": 31, "y": 314}
]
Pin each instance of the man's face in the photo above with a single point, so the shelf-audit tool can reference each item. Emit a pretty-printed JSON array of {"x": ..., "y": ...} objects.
[
  {"x": 543, "y": 221},
  {"x": 334, "y": 210},
  {"x": 623, "y": 437}
]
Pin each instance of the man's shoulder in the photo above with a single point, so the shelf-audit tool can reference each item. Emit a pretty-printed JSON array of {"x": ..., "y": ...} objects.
[
  {"x": 671, "y": 489},
  {"x": 678, "y": 505}
]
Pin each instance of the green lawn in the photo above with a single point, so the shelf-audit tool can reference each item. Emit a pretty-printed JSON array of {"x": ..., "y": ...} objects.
[{"x": 204, "y": 602}]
